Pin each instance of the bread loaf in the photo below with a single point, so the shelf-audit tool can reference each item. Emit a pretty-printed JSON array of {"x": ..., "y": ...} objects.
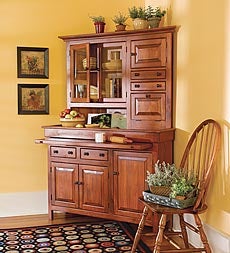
[{"x": 118, "y": 139}]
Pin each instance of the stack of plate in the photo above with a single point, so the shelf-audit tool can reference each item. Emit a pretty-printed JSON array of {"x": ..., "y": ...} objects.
[{"x": 92, "y": 62}]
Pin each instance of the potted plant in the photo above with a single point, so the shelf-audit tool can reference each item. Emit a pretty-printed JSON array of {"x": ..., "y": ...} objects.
[
  {"x": 184, "y": 186},
  {"x": 120, "y": 20},
  {"x": 161, "y": 180},
  {"x": 139, "y": 17},
  {"x": 99, "y": 23},
  {"x": 154, "y": 16}
]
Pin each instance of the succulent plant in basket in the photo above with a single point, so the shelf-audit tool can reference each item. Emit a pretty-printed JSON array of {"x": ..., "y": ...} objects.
[{"x": 161, "y": 180}]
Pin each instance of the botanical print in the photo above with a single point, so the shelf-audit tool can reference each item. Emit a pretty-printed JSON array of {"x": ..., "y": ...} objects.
[
  {"x": 32, "y": 63},
  {"x": 33, "y": 99}
]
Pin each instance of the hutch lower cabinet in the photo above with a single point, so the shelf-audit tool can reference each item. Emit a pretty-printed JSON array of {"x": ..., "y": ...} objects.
[{"x": 101, "y": 179}]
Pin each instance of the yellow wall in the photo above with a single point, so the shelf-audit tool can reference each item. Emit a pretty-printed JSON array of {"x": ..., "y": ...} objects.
[
  {"x": 38, "y": 24},
  {"x": 202, "y": 83},
  {"x": 202, "y": 88}
]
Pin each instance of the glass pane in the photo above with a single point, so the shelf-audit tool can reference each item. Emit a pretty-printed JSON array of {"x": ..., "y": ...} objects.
[
  {"x": 80, "y": 73},
  {"x": 112, "y": 72}
]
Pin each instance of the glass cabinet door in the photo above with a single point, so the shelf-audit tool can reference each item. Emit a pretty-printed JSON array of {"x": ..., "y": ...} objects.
[
  {"x": 112, "y": 74},
  {"x": 97, "y": 72},
  {"x": 79, "y": 76}
]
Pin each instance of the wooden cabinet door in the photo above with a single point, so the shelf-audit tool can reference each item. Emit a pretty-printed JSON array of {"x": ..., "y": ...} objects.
[
  {"x": 148, "y": 53},
  {"x": 93, "y": 188},
  {"x": 130, "y": 170},
  {"x": 64, "y": 184},
  {"x": 149, "y": 106}
]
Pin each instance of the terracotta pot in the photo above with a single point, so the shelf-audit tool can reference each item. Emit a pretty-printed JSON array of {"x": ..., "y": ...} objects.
[
  {"x": 120, "y": 28},
  {"x": 99, "y": 27},
  {"x": 140, "y": 24},
  {"x": 180, "y": 197}
]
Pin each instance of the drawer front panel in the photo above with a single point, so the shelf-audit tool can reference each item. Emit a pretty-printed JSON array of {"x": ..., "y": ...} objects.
[
  {"x": 63, "y": 152},
  {"x": 145, "y": 86},
  {"x": 148, "y": 74},
  {"x": 94, "y": 154}
]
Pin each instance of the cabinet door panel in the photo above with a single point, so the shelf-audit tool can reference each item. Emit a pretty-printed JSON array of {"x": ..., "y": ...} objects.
[
  {"x": 148, "y": 106},
  {"x": 148, "y": 53},
  {"x": 64, "y": 180},
  {"x": 94, "y": 188},
  {"x": 130, "y": 170}
]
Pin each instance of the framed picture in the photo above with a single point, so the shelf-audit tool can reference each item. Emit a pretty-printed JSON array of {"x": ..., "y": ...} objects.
[
  {"x": 33, "y": 62},
  {"x": 33, "y": 99}
]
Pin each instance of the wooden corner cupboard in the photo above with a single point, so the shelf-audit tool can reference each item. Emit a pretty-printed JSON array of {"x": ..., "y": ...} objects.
[{"x": 129, "y": 72}]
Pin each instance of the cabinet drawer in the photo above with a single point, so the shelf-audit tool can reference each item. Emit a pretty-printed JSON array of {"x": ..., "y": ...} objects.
[
  {"x": 92, "y": 154},
  {"x": 63, "y": 152},
  {"x": 154, "y": 86},
  {"x": 148, "y": 74}
]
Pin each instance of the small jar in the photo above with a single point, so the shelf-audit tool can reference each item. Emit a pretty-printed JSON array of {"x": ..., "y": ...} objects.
[{"x": 99, "y": 137}]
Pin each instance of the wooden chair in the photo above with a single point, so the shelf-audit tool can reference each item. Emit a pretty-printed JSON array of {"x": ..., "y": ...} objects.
[{"x": 199, "y": 156}]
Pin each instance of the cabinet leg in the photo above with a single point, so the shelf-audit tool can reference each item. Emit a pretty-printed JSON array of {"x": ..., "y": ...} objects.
[{"x": 51, "y": 214}]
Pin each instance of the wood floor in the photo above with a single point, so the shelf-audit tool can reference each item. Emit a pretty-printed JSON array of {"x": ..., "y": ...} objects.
[{"x": 61, "y": 218}]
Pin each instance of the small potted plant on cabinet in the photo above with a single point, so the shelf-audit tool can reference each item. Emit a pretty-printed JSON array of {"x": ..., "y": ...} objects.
[
  {"x": 154, "y": 16},
  {"x": 120, "y": 20},
  {"x": 139, "y": 17},
  {"x": 99, "y": 23},
  {"x": 161, "y": 180}
]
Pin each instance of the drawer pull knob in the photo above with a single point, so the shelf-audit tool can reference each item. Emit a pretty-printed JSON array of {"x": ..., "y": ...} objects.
[
  {"x": 78, "y": 183},
  {"x": 158, "y": 73},
  {"x": 55, "y": 151},
  {"x": 148, "y": 96},
  {"x": 137, "y": 85},
  {"x": 101, "y": 154},
  {"x": 115, "y": 173},
  {"x": 133, "y": 54},
  {"x": 86, "y": 153},
  {"x": 136, "y": 74},
  {"x": 159, "y": 85},
  {"x": 70, "y": 152}
]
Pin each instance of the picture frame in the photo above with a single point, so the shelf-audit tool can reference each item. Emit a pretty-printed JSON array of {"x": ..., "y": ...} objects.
[
  {"x": 32, "y": 62},
  {"x": 33, "y": 99}
]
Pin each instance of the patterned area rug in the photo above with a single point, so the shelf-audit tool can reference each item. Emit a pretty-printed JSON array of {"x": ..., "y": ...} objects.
[{"x": 97, "y": 237}]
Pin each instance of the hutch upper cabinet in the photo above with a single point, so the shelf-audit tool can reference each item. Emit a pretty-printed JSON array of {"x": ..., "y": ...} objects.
[{"x": 129, "y": 72}]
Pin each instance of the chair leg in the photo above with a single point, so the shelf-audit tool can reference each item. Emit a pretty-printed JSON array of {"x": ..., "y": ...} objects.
[
  {"x": 203, "y": 236},
  {"x": 184, "y": 231},
  {"x": 160, "y": 234},
  {"x": 139, "y": 229}
]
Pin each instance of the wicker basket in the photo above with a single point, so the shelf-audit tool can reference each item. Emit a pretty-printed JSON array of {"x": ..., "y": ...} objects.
[
  {"x": 166, "y": 201},
  {"x": 160, "y": 190}
]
